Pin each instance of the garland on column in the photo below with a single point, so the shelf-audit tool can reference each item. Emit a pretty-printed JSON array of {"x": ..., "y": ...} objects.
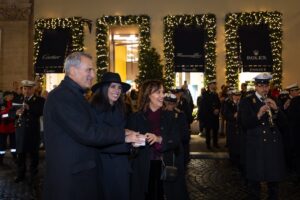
[
  {"x": 102, "y": 28},
  {"x": 232, "y": 23},
  {"x": 75, "y": 24},
  {"x": 208, "y": 22}
]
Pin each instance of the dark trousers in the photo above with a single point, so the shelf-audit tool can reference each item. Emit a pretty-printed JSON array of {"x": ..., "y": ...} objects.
[
  {"x": 10, "y": 145},
  {"x": 254, "y": 189},
  {"x": 21, "y": 163},
  {"x": 208, "y": 136},
  {"x": 155, "y": 188}
]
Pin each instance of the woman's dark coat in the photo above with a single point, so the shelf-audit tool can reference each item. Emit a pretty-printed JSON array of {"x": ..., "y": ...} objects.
[
  {"x": 113, "y": 161},
  {"x": 71, "y": 137},
  {"x": 141, "y": 162},
  {"x": 264, "y": 149}
]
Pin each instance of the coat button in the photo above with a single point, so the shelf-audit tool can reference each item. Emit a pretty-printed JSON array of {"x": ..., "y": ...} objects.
[
  {"x": 263, "y": 123},
  {"x": 264, "y": 131},
  {"x": 265, "y": 140},
  {"x": 274, "y": 140}
]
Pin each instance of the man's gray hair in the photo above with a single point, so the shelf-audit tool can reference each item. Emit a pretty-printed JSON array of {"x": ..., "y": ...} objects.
[{"x": 74, "y": 59}]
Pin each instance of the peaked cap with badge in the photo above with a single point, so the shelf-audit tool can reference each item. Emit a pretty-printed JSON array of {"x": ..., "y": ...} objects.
[{"x": 263, "y": 78}]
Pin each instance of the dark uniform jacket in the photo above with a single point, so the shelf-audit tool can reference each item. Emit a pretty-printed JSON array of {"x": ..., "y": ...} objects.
[
  {"x": 233, "y": 137},
  {"x": 293, "y": 113},
  {"x": 264, "y": 149},
  {"x": 71, "y": 137},
  {"x": 28, "y": 125},
  {"x": 210, "y": 101},
  {"x": 141, "y": 162}
]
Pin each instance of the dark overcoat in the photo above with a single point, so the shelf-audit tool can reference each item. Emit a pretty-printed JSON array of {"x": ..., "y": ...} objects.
[
  {"x": 264, "y": 148},
  {"x": 113, "y": 159},
  {"x": 141, "y": 162},
  {"x": 232, "y": 133},
  {"x": 71, "y": 137},
  {"x": 293, "y": 113},
  {"x": 28, "y": 126},
  {"x": 210, "y": 101}
]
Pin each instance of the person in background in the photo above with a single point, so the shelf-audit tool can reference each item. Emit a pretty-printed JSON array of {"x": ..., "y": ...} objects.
[
  {"x": 232, "y": 131},
  {"x": 244, "y": 90},
  {"x": 170, "y": 101},
  {"x": 209, "y": 114},
  {"x": 293, "y": 90},
  {"x": 183, "y": 106},
  {"x": 201, "y": 124},
  {"x": 293, "y": 113},
  {"x": 28, "y": 131},
  {"x": 73, "y": 136},
  {"x": 7, "y": 127},
  {"x": 261, "y": 119},
  {"x": 110, "y": 110},
  {"x": 162, "y": 140}
]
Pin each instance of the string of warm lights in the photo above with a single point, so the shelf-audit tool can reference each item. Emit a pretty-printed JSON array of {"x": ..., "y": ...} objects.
[
  {"x": 75, "y": 25},
  {"x": 232, "y": 22},
  {"x": 208, "y": 22},
  {"x": 102, "y": 29}
]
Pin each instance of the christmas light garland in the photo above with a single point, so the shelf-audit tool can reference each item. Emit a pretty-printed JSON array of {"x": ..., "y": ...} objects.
[
  {"x": 208, "y": 22},
  {"x": 232, "y": 22},
  {"x": 75, "y": 24},
  {"x": 102, "y": 28}
]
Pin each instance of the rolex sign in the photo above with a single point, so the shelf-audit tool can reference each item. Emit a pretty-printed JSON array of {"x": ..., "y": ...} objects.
[{"x": 255, "y": 48}]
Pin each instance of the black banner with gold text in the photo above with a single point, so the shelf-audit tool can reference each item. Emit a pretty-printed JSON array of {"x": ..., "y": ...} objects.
[
  {"x": 255, "y": 48},
  {"x": 55, "y": 45},
  {"x": 189, "y": 49}
]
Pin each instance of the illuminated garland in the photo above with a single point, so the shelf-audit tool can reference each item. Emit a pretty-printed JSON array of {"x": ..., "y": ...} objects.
[
  {"x": 208, "y": 22},
  {"x": 232, "y": 22},
  {"x": 75, "y": 24},
  {"x": 102, "y": 28}
]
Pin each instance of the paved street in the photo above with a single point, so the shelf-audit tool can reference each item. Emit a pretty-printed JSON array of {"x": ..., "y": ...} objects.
[{"x": 210, "y": 176}]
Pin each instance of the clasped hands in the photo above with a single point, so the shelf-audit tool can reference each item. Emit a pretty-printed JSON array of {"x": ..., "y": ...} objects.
[
  {"x": 269, "y": 105},
  {"x": 21, "y": 110},
  {"x": 138, "y": 139}
]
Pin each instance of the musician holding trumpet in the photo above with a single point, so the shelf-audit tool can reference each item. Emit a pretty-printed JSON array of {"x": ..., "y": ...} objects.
[{"x": 260, "y": 117}]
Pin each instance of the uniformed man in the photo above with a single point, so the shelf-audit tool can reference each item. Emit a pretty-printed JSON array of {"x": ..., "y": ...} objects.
[
  {"x": 28, "y": 130},
  {"x": 209, "y": 114},
  {"x": 181, "y": 154},
  {"x": 260, "y": 118},
  {"x": 293, "y": 113},
  {"x": 232, "y": 132},
  {"x": 293, "y": 90}
]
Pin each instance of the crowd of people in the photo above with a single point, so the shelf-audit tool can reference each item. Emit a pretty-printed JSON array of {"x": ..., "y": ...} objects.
[
  {"x": 108, "y": 141},
  {"x": 261, "y": 129}
]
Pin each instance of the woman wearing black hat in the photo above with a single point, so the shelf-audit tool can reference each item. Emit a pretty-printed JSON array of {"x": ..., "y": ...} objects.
[
  {"x": 110, "y": 111},
  {"x": 162, "y": 136}
]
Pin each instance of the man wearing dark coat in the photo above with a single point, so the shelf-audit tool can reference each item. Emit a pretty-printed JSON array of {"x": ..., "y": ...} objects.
[
  {"x": 209, "y": 114},
  {"x": 260, "y": 119},
  {"x": 72, "y": 135},
  {"x": 28, "y": 130},
  {"x": 293, "y": 113}
]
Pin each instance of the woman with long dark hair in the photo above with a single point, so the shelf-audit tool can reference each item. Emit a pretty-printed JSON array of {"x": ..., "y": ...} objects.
[
  {"x": 162, "y": 140},
  {"x": 114, "y": 167}
]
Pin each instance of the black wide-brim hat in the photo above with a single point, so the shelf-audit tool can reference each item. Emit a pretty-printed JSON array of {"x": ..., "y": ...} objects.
[{"x": 111, "y": 77}]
